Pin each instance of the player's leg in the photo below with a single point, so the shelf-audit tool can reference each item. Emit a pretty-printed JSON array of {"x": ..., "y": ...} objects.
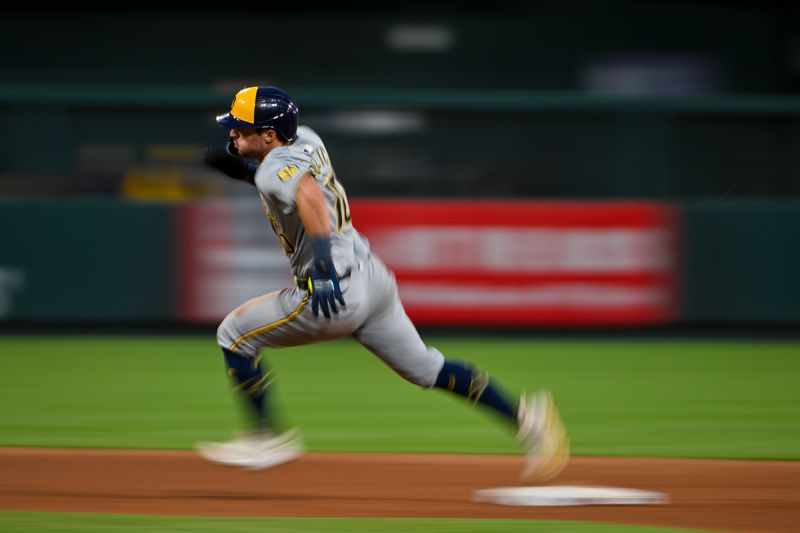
[
  {"x": 390, "y": 335},
  {"x": 252, "y": 382},
  {"x": 251, "y": 379},
  {"x": 282, "y": 318},
  {"x": 394, "y": 339},
  {"x": 241, "y": 336}
]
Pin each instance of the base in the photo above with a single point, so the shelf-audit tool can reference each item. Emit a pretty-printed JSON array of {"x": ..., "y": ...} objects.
[{"x": 568, "y": 495}]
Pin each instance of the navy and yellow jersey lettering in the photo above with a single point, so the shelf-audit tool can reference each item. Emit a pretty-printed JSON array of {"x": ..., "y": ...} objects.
[{"x": 277, "y": 180}]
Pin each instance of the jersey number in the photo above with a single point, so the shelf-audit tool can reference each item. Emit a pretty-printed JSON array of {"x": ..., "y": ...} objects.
[{"x": 342, "y": 207}]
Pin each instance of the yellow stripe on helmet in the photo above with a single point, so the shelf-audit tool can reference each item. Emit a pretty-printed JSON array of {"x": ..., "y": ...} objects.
[{"x": 244, "y": 105}]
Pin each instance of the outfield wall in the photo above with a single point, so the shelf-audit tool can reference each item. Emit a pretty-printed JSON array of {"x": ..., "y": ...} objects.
[
  {"x": 86, "y": 260},
  {"x": 465, "y": 263}
]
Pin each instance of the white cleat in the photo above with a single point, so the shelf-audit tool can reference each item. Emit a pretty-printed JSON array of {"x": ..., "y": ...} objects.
[
  {"x": 542, "y": 435},
  {"x": 254, "y": 451}
]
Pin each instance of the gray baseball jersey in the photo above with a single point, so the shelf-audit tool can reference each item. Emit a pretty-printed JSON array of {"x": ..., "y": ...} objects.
[
  {"x": 373, "y": 313},
  {"x": 277, "y": 179}
]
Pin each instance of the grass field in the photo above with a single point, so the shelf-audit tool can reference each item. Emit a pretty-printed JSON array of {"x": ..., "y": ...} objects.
[
  {"x": 673, "y": 398},
  {"x": 72, "y": 522},
  {"x": 677, "y": 398}
]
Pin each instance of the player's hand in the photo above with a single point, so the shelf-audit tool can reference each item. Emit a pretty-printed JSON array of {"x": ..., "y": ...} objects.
[{"x": 325, "y": 290}]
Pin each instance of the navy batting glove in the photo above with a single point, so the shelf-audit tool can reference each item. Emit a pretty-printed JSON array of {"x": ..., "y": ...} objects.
[
  {"x": 324, "y": 293},
  {"x": 325, "y": 289}
]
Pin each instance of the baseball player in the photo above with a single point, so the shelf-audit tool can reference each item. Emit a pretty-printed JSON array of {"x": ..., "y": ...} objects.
[{"x": 342, "y": 289}]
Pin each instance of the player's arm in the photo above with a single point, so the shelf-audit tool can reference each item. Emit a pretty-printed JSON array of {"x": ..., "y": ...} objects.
[
  {"x": 226, "y": 160},
  {"x": 313, "y": 210}
]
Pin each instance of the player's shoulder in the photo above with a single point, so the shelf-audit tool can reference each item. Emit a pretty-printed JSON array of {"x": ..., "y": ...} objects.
[
  {"x": 278, "y": 168},
  {"x": 307, "y": 142},
  {"x": 286, "y": 161},
  {"x": 307, "y": 134},
  {"x": 301, "y": 149}
]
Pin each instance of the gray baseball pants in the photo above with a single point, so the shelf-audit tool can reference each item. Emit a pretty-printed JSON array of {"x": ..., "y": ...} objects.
[{"x": 373, "y": 315}]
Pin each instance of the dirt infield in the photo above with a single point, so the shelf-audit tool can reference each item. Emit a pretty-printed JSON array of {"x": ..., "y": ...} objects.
[{"x": 718, "y": 495}]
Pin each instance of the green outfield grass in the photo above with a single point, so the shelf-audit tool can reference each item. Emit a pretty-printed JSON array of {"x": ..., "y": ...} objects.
[
  {"x": 678, "y": 398},
  {"x": 61, "y": 522}
]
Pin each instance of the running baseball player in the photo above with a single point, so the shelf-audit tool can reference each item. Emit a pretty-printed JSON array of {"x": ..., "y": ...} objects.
[{"x": 342, "y": 289}]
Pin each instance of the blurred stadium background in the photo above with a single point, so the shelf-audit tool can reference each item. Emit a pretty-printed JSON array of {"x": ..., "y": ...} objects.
[
  {"x": 539, "y": 173},
  {"x": 601, "y": 164}
]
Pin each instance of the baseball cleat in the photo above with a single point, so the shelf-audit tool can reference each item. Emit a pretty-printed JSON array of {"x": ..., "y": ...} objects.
[
  {"x": 542, "y": 435},
  {"x": 254, "y": 451}
]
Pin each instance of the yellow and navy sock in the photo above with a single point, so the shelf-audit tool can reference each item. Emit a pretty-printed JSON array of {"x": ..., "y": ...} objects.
[
  {"x": 475, "y": 385},
  {"x": 253, "y": 384}
]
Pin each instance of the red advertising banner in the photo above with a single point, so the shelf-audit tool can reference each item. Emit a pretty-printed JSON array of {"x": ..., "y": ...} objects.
[
  {"x": 527, "y": 263},
  {"x": 228, "y": 254},
  {"x": 468, "y": 263}
]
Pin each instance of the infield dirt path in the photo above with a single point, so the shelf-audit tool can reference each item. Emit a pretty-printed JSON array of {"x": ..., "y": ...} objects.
[{"x": 717, "y": 495}]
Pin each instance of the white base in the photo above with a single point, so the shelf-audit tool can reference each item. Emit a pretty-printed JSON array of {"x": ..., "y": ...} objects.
[{"x": 568, "y": 495}]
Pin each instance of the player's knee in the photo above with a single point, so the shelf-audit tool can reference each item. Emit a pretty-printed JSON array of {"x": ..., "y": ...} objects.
[
  {"x": 424, "y": 370},
  {"x": 223, "y": 337},
  {"x": 228, "y": 336}
]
